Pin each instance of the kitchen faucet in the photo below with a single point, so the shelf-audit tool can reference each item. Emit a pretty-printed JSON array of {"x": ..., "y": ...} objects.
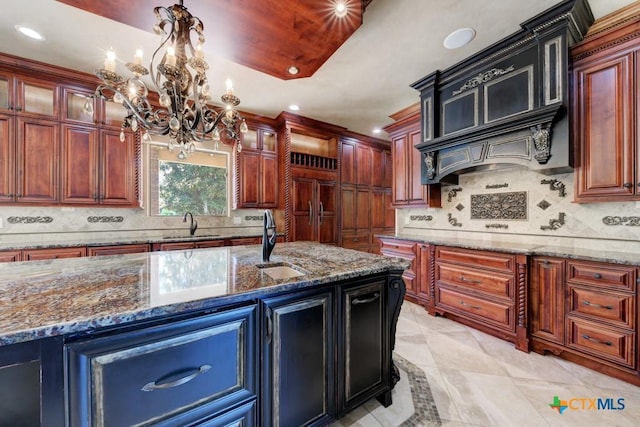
[
  {"x": 268, "y": 242},
  {"x": 194, "y": 224}
]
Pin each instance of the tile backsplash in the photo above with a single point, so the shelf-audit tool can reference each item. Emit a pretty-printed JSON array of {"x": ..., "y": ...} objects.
[
  {"x": 516, "y": 204},
  {"x": 19, "y": 223}
]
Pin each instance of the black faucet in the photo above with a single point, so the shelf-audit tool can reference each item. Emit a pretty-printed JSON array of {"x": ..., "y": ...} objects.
[
  {"x": 268, "y": 242},
  {"x": 194, "y": 224}
]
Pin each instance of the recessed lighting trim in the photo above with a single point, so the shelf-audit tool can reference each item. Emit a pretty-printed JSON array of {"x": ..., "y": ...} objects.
[
  {"x": 29, "y": 32},
  {"x": 294, "y": 107},
  {"x": 341, "y": 9},
  {"x": 293, "y": 70},
  {"x": 458, "y": 38}
]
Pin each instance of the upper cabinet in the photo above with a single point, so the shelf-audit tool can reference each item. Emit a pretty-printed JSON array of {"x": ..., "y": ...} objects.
[
  {"x": 606, "y": 109},
  {"x": 55, "y": 151},
  {"x": 407, "y": 188},
  {"x": 257, "y": 169}
]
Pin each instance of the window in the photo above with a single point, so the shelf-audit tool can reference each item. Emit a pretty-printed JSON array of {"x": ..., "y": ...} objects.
[{"x": 198, "y": 184}]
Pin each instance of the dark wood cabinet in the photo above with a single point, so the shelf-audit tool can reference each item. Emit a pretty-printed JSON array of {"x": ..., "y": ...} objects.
[
  {"x": 298, "y": 356},
  {"x": 53, "y": 253},
  {"x": 118, "y": 169},
  {"x": 172, "y": 374},
  {"x": 314, "y": 210},
  {"x": 547, "y": 296},
  {"x": 606, "y": 112},
  {"x": 408, "y": 190},
  {"x": 10, "y": 255},
  {"x": 257, "y": 170},
  {"x": 118, "y": 249},
  {"x": 80, "y": 152},
  {"x": 416, "y": 282}
]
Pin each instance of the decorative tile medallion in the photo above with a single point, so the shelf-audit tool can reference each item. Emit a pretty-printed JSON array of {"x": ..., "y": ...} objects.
[
  {"x": 510, "y": 206},
  {"x": 555, "y": 185},
  {"x": 632, "y": 221},
  {"x": 29, "y": 219},
  {"x": 543, "y": 204},
  {"x": 554, "y": 224},
  {"x": 453, "y": 193},
  {"x": 94, "y": 219},
  {"x": 421, "y": 218}
]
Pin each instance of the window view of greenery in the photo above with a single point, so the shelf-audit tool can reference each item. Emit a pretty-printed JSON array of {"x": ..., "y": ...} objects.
[{"x": 184, "y": 187}]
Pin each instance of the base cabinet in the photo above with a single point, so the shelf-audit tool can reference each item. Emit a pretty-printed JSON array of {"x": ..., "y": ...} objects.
[{"x": 299, "y": 373}]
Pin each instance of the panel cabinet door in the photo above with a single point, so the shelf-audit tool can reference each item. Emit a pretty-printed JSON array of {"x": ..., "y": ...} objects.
[
  {"x": 603, "y": 115},
  {"x": 79, "y": 165},
  {"x": 38, "y": 158},
  {"x": 364, "y": 359},
  {"x": 417, "y": 191},
  {"x": 269, "y": 178},
  {"x": 547, "y": 295},
  {"x": 326, "y": 212},
  {"x": 363, "y": 208},
  {"x": 298, "y": 371},
  {"x": 118, "y": 180},
  {"x": 249, "y": 172},
  {"x": 377, "y": 168},
  {"x": 10, "y": 256},
  {"x": 7, "y": 159},
  {"x": 37, "y": 98},
  {"x": 347, "y": 162},
  {"x": 363, "y": 165},
  {"x": 399, "y": 155},
  {"x": 348, "y": 208},
  {"x": 425, "y": 263},
  {"x": 303, "y": 198},
  {"x": 53, "y": 253}
]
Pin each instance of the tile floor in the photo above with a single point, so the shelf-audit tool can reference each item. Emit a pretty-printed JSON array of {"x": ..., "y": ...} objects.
[{"x": 479, "y": 380}]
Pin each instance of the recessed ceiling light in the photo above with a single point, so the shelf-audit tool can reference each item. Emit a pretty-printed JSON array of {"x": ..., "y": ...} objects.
[
  {"x": 294, "y": 107},
  {"x": 29, "y": 32},
  {"x": 376, "y": 130},
  {"x": 293, "y": 70},
  {"x": 459, "y": 38},
  {"x": 340, "y": 9}
]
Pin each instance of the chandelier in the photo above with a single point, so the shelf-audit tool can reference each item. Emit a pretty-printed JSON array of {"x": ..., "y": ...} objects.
[{"x": 178, "y": 72}]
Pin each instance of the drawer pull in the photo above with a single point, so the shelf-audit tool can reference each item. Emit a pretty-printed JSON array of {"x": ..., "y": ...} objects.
[
  {"x": 475, "y": 282},
  {"x": 155, "y": 385},
  {"x": 357, "y": 301},
  {"x": 597, "y": 276},
  {"x": 590, "y": 304},
  {"x": 588, "y": 338},
  {"x": 469, "y": 305}
]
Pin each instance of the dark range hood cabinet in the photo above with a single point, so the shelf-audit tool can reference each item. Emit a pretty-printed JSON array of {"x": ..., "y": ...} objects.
[{"x": 506, "y": 104}]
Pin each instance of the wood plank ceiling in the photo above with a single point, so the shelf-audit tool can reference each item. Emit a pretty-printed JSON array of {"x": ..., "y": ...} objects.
[{"x": 266, "y": 35}]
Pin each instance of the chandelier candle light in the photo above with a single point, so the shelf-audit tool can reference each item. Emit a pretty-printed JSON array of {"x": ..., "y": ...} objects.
[{"x": 183, "y": 92}]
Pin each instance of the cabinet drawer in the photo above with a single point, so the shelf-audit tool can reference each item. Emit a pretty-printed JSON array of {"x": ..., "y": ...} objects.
[
  {"x": 187, "y": 369},
  {"x": 479, "y": 280},
  {"x": 398, "y": 246},
  {"x": 608, "y": 343},
  {"x": 494, "y": 312},
  {"x": 601, "y": 275},
  {"x": 355, "y": 241},
  {"x": 615, "y": 308},
  {"x": 477, "y": 259}
]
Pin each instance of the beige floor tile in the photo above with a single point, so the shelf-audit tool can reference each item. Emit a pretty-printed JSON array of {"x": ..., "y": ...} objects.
[{"x": 446, "y": 406}]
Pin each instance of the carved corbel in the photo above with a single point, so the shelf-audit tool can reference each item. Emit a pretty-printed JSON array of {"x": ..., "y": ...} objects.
[
  {"x": 430, "y": 162},
  {"x": 542, "y": 142}
]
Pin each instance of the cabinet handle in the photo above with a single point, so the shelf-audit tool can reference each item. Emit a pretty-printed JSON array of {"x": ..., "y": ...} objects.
[
  {"x": 475, "y": 282},
  {"x": 627, "y": 185},
  {"x": 269, "y": 326},
  {"x": 18, "y": 109},
  {"x": 310, "y": 213},
  {"x": 357, "y": 301},
  {"x": 597, "y": 276},
  {"x": 156, "y": 385},
  {"x": 469, "y": 305},
  {"x": 321, "y": 212},
  {"x": 597, "y": 341},
  {"x": 590, "y": 304}
]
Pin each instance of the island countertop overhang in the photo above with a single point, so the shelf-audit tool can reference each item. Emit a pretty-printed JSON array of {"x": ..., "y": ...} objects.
[{"x": 50, "y": 298}]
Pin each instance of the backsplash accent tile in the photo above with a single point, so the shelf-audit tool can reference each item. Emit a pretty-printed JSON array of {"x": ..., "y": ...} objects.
[
  {"x": 555, "y": 185},
  {"x": 421, "y": 218},
  {"x": 496, "y": 186},
  {"x": 511, "y": 206},
  {"x": 504, "y": 226},
  {"x": 460, "y": 207},
  {"x": 29, "y": 219},
  {"x": 253, "y": 218},
  {"x": 543, "y": 204},
  {"x": 554, "y": 224},
  {"x": 633, "y": 221},
  {"x": 453, "y": 193},
  {"x": 453, "y": 221},
  {"x": 94, "y": 219}
]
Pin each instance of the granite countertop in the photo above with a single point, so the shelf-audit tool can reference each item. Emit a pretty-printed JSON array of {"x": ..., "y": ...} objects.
[
  {"x": 587, "y": 254},
  {"x": 48, "y": 298},
  {"x": 93, "y": 240}
]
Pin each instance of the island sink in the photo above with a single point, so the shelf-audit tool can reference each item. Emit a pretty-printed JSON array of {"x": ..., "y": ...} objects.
[{"x": 280, "y": 271}]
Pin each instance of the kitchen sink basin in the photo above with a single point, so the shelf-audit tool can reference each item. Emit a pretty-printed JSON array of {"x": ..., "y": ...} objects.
[{"x": 279, "y": 271}]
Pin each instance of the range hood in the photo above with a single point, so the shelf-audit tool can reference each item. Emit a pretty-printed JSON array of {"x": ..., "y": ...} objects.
[{"x": 506, "y": 104}]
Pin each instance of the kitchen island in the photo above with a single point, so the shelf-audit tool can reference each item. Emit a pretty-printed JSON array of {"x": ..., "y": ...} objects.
[{"x": 199, "y": 337}]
